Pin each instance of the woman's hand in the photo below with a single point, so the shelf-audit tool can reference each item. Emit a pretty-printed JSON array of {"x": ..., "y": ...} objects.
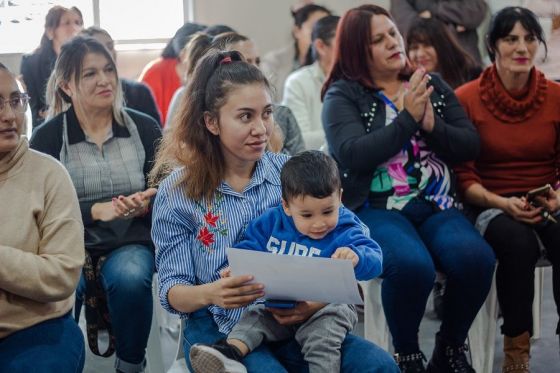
[
  {"x": 103, "y": 211},
  {"x": 234, "y": 292},
  {"x": 550, "y": 202},
  {"x": 520, "y": 210},
  {"x": 134, "y": 205},
  {"x": 300, "y": 313},
  {"x": 428, "y": 120},
  {"x": 417, "y": 94}
]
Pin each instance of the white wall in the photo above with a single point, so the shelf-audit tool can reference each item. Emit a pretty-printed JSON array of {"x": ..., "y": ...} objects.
[
  {"x": 267, "y": 22},
  {"x": 11, "y": 61}
]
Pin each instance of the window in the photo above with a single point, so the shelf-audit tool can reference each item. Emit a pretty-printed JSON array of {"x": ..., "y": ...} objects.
[
  {"x": 140, "y": 19},
  {"x": 128, "y": 21},
  {"x": 22, "y": 22}
]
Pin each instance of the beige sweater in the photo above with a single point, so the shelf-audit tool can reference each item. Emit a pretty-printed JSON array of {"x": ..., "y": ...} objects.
[{"x": 41, "y": 239}]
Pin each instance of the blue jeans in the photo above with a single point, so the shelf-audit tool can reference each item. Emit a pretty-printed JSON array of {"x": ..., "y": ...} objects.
[
  {"x": 416, "y": 241},
  {"x": 126, "y": 277},
  {"x": 53, "y": 346},
  {"x": 358, "y": 355}
]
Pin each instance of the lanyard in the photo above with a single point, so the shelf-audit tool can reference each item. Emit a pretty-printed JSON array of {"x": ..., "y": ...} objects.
[{"x": 387, "y": 101}]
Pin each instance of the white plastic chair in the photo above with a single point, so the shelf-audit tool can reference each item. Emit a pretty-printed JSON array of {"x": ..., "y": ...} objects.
[
  {"x": 483, "y": 329},
  {"x": 482, "y": 334},
  {"x": 376, "y": 329},
  {"x": 180, "y": 364},
  {"x": 154, "y": 359}
]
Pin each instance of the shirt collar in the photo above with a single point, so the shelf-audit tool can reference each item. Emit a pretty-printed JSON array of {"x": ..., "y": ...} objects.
[
  {"x": 76, "y": 134},
  {"x": 317, "y": 71},
  {"x": 264, "y": 170}
]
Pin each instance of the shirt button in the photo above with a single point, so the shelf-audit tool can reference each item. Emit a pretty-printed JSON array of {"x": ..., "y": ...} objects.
[{"x": 416, "y": 165}]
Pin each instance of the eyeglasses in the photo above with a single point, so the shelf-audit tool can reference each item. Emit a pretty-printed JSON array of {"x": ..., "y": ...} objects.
[{"x": 18, "y": 104}]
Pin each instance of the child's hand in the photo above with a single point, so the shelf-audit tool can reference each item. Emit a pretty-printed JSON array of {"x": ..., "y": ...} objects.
[
  {"x": 226, "y": 272},
  {"x": 346, "y": 253}
]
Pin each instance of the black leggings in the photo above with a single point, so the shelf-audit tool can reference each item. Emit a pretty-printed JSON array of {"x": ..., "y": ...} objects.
[{"x": 517, "y": 251}]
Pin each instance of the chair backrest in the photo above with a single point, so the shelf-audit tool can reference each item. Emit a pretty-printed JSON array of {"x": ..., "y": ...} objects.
[{"x": 543, "y": 261}]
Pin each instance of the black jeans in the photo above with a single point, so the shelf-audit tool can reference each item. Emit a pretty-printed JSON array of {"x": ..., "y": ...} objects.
[{"x": 517, "y": 251}]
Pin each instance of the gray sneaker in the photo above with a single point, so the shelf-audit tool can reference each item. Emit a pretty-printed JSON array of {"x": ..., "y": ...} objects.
[{"x": 218, "y": 358}]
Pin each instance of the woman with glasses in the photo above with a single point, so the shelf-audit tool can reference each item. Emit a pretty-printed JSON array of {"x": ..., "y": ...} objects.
[
  {"x": 108, "y": 151},
  {"x": 61, "y": 24},
  {"x": 41, "y": 250}
]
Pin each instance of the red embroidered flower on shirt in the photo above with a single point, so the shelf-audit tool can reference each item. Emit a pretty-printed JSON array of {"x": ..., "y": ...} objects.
[
  {"x": 211, "y": 219},
  {"x": 214, "y": 223},
  {"x": 205, "y": 236}
]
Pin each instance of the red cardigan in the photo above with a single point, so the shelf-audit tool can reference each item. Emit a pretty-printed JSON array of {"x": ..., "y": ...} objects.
[
  {"x": 519, "y": 134},
  {"x": 160, "y": 75}
]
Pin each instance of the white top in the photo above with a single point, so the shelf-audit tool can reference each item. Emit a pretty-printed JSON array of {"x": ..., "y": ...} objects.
[{"x": 302, "y": 94}]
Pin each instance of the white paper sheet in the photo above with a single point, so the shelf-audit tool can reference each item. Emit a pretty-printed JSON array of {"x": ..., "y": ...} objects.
[{"x": 290, "y": 277}]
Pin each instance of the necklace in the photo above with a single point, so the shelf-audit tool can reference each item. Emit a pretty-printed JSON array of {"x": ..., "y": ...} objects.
[
  {"x": 394, "y": 102},
  {"x": 397, "y": 95}
]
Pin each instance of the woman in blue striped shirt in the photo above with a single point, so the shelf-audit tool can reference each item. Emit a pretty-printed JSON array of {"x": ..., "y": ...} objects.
[{"x": 202, "y": 208}]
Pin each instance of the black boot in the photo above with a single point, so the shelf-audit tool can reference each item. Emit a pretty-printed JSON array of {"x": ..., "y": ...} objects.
[
  {"x": 449, "y": 359},
  {"x": 411, "y": 363}
]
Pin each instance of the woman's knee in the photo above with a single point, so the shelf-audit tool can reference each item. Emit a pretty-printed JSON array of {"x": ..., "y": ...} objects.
[
  {"x": 410, "y": 270},
  {"x": 359, "y": 355},
  {"x": 511, "y": 239},
  {"x": 129, "y": 272},
  {"x": 406, "y": 259},
  {"x": 55, "y": 345},
  {"x": 473, "y": 261}
]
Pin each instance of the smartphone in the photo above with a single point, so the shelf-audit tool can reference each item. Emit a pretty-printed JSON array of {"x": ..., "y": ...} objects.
[
  {"x": 278, "y": 303},
  {"x": 542, "y": 191}
]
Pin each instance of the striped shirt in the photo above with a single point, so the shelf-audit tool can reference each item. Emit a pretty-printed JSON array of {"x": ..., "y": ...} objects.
[
  {"x": 120, "y": 167},
  {"x": 191, "y": 237},
  {"x": 115, "y": 169}
]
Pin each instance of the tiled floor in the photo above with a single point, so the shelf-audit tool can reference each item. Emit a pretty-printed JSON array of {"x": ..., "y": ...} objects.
[{"x": 545, "y": 351}]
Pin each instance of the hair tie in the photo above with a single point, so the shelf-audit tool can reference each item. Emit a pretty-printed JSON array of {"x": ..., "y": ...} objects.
[{"x": 225, "y": 60}]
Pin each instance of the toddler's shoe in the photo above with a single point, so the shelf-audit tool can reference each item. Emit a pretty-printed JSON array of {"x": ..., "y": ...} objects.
[{"x": 220, "y": 357}]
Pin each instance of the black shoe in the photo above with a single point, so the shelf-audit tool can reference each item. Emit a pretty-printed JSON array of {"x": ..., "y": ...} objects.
[
  {"x": 437, "y": 295},
  {"x": 447, "y": 359},
  {"x": 217, "y": 358},
  {"x": 411, "y": 363}
]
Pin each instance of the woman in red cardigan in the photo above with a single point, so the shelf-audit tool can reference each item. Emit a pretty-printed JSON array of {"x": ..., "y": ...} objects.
[
  {"x": 517, "y": 113},
  {"x": 162, "y": 75}
]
